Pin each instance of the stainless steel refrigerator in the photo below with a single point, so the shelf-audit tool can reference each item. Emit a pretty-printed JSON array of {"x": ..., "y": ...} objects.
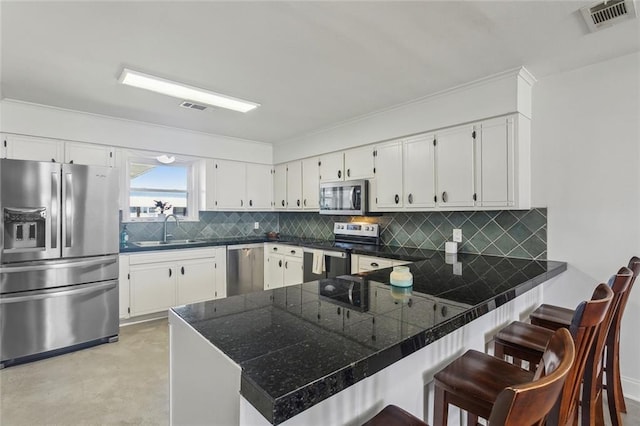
[{"x": 58, "y": 258}]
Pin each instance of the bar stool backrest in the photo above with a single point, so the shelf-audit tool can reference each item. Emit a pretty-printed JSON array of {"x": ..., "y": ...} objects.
[
  {"x": 584, "y": 327},
  {"x": 529, "y": 403}
]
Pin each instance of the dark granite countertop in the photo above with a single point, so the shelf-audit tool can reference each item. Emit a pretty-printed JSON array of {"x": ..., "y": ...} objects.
[
  {"x": 298, "y": 346},
  {"x": 402, "y": 253}
]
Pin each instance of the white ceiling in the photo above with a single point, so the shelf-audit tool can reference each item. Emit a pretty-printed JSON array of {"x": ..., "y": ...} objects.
[{"x": 310, "y": 64}]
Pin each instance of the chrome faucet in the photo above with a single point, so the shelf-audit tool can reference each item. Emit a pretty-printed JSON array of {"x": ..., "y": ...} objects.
[{"x": 164, "y": 230}]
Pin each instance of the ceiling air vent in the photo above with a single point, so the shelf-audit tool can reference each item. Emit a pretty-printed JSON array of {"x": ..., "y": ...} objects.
[
  {"x": 607, "y": 13},
  {"x": 191, "y": 105}
]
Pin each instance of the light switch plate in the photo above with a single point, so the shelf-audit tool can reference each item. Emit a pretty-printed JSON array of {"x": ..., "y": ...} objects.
[
  {"x": 256, "y": 225},
  {"x": 457, "y": 235}
]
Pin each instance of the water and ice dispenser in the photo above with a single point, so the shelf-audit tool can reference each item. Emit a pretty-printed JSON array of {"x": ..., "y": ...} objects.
[{"x": 24, "y": 228}]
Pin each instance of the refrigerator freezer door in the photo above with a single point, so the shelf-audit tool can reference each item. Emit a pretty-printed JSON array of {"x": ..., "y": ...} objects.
[
  {"x": 34, "y": 322},
  {"x": 29, "y": 210},
  {"x": 89, "y": 210}
]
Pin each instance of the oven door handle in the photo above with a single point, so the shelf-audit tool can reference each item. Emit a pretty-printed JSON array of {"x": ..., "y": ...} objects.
[
  {"x": 339, "y": 254},
  {"x": 45, "y": 294}
]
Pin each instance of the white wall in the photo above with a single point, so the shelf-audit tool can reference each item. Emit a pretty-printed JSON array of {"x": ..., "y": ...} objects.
[
  {"x": 38, "y": 120},
  {"x": 586, "y": 149}
]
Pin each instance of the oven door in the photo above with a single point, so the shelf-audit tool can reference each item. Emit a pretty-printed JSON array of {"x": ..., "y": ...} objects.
[
  {"x": 344, "y": 198},
  {"x": 336, "y": 263}
]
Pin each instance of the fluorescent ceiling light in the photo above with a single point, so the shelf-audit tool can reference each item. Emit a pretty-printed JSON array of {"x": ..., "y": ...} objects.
[{"x": 183, "y": 91}]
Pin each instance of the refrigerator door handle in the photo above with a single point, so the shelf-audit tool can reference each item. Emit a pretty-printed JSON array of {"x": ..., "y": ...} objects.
[
  {"x": 55, "y": 202},
  {"x": 68, "y": 211},
  {"x": 45, "y": 294},
  {"x": 56, "y": 264}
]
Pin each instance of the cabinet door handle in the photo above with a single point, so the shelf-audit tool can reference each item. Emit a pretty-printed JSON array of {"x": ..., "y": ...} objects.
[
  {"x": 305, "y": 202},
  {"x": 444, "y": 196},
  {"x": 286, "y": 265},
  {"x": 339, "y": 174},
  {"x": 280, "y": 263},
  {"x": 348, "y": 172},
  {"x": 338, "y": 311},
  {"x": 410, "y": 198},
  {"x": 374, "y": 264},
  {"x": 241, "y": 203},
  {"x": 170, "y": 272},
  {"x": 298, "y": 203},
  {"x": 348, "y": 313},
  {"x": 282, "y": 203},
  {"x": 182, "y": 270},
  {"x": 250, "y": 203},
  {"x": 397, "y": 198}
]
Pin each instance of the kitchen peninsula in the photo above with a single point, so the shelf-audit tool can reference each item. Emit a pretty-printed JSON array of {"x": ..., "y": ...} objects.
[{"x": 336, "y": 351}]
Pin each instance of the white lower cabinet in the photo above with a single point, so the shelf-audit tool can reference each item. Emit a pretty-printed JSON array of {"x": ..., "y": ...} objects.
[
  {"x": 196, "y": 281},
  {"x": 152, "y": 287},
  {"x": 160, "y": 280},
  {"x": 293, "y": 273},
  {"x": 283, "y": 266}
]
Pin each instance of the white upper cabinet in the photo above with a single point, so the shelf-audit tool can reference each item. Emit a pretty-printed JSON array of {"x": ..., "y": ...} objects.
[
  {"x": 455, "y": 167},
  {"x": 294, "y": 185},
  {"x": 259, "y": 187},
  {"x": 280, "y": 186},
  {"x": 388, "y": 181},
  {"x": 90, "y": 154},
  {"x": 332, "y": 167},
  {"x": 419, "y": 172},
  {"x": 494, "y": 163},
  {"x": 230, "y": 183},
  {"x": 239, "y": 186},
  {"x": 310, "y": 183},
  {"x": 358, "y": 163},
  {"x": 18, "y": 147}
]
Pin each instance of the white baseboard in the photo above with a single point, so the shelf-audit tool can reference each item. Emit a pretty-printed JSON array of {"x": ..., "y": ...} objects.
[
  {"x": 142, "y": 318},
  {"x": 631, "y": 388}
]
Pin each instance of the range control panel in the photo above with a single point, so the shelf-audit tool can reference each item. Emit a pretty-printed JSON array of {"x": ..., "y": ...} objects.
[{"x": 356, "y": 229}]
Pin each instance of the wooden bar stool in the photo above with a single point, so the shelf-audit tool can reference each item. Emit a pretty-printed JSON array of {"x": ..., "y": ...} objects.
[
  {"x": 472, "y": 383},
  {"x": 525, "y": 403},
  {"x": 522, "y": 340},
  {"x": 554, "y": 317}
]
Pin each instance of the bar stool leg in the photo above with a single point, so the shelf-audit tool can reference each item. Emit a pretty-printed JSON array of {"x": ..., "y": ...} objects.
[
  {"x": 440, "y": 407},
  {"x": 615, "y": 397}
]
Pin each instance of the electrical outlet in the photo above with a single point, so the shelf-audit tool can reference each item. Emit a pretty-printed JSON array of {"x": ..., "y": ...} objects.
[
  {"x": 457, "y": 268},
  {"x": 256, "y": 225},
  {"x": 457, "y": 235}
]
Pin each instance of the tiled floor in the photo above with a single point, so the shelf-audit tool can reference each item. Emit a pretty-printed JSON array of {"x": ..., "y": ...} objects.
[{"x": 122, "y": 383}]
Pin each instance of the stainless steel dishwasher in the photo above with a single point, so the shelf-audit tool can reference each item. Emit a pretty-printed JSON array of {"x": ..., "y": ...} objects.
[{"x": 245, "y": 269}]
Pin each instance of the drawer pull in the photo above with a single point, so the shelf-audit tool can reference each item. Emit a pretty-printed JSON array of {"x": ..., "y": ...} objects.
[{"x": 374, "y": 264}]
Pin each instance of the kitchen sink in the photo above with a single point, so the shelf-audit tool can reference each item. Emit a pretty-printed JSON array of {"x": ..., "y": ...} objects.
[{"x": 156, "y": 243}]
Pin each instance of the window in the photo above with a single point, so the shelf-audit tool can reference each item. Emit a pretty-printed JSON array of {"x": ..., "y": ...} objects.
[{"x": 156, "y": 189}]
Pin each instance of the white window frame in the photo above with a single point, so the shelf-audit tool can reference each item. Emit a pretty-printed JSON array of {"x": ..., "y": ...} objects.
[{"x": 193, "y": 184}]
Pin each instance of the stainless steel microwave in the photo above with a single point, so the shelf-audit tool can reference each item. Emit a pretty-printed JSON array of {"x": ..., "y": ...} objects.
[{"x": 344, "y": 198}]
